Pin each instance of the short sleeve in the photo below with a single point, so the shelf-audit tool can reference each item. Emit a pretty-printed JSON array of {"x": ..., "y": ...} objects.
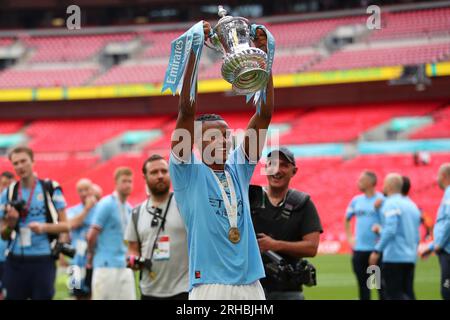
[
  {"x": 59, "y": 200},
  {"x": 102, "y": 213},
  {"x": 242, "y": 166},
  {"x": 350, "y": 212},
  {"x": 181, "y": 173},
  {"x": 72, "y": 212},
  {"x": 311, "y": 220}
]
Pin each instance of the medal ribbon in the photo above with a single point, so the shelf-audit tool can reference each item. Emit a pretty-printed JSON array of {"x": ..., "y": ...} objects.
[
  {"x": 261, "y": 94},
  {"x": 230, "y": 207}
]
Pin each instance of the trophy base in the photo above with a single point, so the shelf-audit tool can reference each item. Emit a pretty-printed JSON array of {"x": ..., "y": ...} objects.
[
  {"x": 250, "y": 81},
  {"x": 246, "y": 70}
]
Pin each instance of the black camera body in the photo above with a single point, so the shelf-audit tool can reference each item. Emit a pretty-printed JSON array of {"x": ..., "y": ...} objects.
[
  {"x": 278, "y": 269},
  {"x": 64, "y": 248},
  {"x": 140, "y": 262},
  {"x": 19, "y": 205}
]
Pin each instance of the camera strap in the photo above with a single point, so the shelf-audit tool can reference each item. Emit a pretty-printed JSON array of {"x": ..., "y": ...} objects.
[
  {"x": 135, "y": 218},
  {"x": 24, "y": 214},
  {"x": 161, "y": 227}
]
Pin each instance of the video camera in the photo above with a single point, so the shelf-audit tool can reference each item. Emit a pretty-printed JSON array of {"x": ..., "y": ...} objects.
[
  {"x": 19, "y": 205},
  {"x": 139, "y": 262},
  {"x": 302, "y": 273},
  {"x": 64, "y": 248}
]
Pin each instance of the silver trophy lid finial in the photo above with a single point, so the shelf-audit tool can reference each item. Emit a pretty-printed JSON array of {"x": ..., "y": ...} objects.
[{"x": 222, "y": 12}]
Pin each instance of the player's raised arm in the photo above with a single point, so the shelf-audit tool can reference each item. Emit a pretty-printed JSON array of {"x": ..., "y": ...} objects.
[
  {"x": 183, "y": 136},
  {"x": 260, "y": 121},
  {"x": 184, "y": 130}
]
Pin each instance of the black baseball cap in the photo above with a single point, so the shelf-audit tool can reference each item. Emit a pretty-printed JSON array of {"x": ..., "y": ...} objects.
[{"x": 285, "y": 152}]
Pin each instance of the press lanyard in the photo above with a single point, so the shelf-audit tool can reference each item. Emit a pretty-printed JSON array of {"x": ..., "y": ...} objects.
[
  {"x": 161, "y": 227},
  {"x": 24, "y": 214},
  {"x": 230, "y": 207}
]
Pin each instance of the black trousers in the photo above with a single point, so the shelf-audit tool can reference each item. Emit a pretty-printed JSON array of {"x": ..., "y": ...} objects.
[
  {"x": 360, "y": 263},
  {"x": 29, "y": 278},
  {"x": 398, "y": 281},
  {"x": 180, "y": 296},
  {"x": 444, "y": 261}
]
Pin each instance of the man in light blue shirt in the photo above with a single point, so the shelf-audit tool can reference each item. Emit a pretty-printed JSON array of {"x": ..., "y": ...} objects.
[
  {"x": 399, "y": 241},
  {"x": 441, "y": 243},
  {"x": 80, "y": 218},
  {"x": 31, "y": 229},
  {"x": 362, "y": 208},
  {"x": 212, "y": 194},
  {"x": 111, "y": 280},
  {"x": 6, "y": 178}
]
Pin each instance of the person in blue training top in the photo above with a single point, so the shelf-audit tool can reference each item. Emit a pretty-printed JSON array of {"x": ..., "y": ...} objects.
[
  {"x": 441, "y": 243},
  {"x": 399, "y": 241},
  {"x": 6, "y": 178},
  {"x": 80, "y": 218},
  {"x": 111, "y": 279},
  {"x": 362, "y": 208},
  {"x": 212, "y": 194},
  {"x": 31, "y": 230}
]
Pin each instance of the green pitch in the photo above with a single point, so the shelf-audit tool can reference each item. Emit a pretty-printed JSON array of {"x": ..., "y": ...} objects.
[{"x": 335, "y": 280}]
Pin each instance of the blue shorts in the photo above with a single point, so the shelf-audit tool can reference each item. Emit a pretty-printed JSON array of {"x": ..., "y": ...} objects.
[{"x": 29, "y": 277}]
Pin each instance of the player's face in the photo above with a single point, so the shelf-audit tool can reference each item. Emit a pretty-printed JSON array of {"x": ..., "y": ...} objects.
[
  {"x": 124, "y": 185},
  {"x": 4, "y": 183},
  {"x": 84, "y": 190},
  {"x": 284, "y": 171},
  {"x": 363, "y": 182},
  {"x": 216, "y": 141},
  {"x": 23, "y": 165},
  {"x": 441, "y": 180},
  {"x": 157, "y": 176}
]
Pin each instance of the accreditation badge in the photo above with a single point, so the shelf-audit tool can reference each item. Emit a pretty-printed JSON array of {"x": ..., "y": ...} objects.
[
  {"x": 162, "y": 248},
  {"x": 25, "y": 237}
]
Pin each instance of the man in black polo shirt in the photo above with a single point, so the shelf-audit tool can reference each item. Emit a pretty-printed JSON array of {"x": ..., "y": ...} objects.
[{"x": 285, "y": 221}]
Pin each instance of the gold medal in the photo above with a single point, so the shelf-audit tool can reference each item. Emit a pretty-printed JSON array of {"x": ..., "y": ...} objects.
[{"x": 234, "y": 235}]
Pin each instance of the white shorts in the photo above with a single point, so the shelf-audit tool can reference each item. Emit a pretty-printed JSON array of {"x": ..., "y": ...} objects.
[
  {"x": 113, "y": 284},
  {"x": 253, "y": 291}
]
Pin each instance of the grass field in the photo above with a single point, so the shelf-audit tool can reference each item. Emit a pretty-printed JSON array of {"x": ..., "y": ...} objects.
[{"x": 335, "y": 280}]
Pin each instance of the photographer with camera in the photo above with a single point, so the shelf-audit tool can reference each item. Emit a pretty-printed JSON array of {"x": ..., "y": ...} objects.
[
  {"x": 157, "y": 244},
  {"x": 111, "y": 280},
  {"x": 6, "y": 178},
  {"x": 288, "y": 229},
  {"x": 33, "y": 216},
  {"x": 80, "y": 218}
]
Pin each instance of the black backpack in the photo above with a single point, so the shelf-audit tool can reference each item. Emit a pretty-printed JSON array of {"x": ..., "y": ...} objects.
[{"x": 295, "y": 200}]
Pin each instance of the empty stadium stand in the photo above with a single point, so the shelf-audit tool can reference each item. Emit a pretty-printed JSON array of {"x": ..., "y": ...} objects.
[
  {"x": 82, "y": 135},
  {"x": 413, "y": 24},
  {"x": 16, "y": 78},
  {"x": 439, "y": 129},
  {"x": 10, "y": 126},
  {"x": 70, "y": 48},
  {"x": 392, "y": 56},
  {"x": 322, "y": 123}
]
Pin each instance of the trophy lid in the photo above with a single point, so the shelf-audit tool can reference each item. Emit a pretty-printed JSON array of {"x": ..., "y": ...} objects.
[{"x": 222, "y": 12}]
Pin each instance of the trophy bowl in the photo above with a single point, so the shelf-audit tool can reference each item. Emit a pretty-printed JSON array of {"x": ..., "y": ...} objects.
[{"x": 243, "y": 66}]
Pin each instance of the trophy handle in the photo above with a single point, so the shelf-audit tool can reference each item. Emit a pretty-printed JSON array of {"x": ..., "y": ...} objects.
[{"x": 214, "y": 43}]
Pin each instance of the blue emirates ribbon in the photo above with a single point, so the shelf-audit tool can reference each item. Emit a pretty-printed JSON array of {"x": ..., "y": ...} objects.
[
  {"x": 261, "y": 94},
  {"x": 179, "y": 56}
]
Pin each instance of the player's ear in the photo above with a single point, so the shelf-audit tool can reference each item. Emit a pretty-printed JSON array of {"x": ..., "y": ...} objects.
[{"x": 294, "y": 171}]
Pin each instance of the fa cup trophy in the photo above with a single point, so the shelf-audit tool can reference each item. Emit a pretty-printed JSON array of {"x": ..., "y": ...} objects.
[{"x": 243, "y": 66}]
